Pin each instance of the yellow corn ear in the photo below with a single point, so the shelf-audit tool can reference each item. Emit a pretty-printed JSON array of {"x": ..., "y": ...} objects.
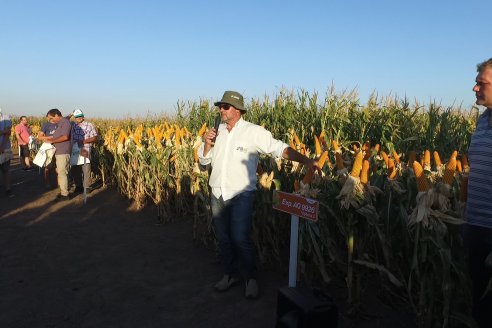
[
  {"x": 437, "y": 159},
  {"x": 396, "y": 157},
  {"x": 296, "y": 139},
  {"x": 202, "y": 130},
  {"x": 292, "y": 145},
  {"x": 317, "y": 146},
  {"x": 385, "y": 158},
  {"x": 357, "y": 167},
  {"x": 336, "y": 148},
  {"x": 322, "y": 135},
  {"x": 323, "y": 158},
  {"x": 464, "y": 188},
  {"x": 355, "y": 147},
  {"x": 422, "y": 184},
  {"x": 427, "y": 159},
  {"x": 308, "y": 177},
  {"x": 458, "y": 166},
  {"x": 364, "y": 174},
  {"x": 454, "y": 154},
  {"x": 391, "y": 169},
  {"x": 449, "y": 172}
]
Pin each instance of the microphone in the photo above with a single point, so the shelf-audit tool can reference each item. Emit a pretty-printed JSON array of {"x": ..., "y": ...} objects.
[{"x": 216, "y": 125}]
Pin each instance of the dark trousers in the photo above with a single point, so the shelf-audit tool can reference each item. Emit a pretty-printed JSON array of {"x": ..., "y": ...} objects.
[
  {"x": 479, "y": 243},
  {"x": 233, "y": 223}
]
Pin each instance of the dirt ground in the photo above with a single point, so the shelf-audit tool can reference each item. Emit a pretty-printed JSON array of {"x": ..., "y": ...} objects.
[{"x": 103, "y": 264}]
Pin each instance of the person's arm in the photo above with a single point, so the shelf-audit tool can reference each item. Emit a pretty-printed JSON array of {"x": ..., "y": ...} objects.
[
  {"x": 293, "y": 155},
  {"x": 57, "y": 140}
]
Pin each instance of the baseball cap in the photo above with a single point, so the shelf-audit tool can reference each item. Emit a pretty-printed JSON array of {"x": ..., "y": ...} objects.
[{"x": 78, "y": 113}]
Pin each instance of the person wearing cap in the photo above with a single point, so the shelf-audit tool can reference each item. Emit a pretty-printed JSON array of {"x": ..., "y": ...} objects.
[
  {"x": 61, "y": 141},
  {"x": 5, "y": 151},
  {"x": 84, "y": 134},
  {"x": 22, "y": 134},
  {"x": 234, "y": 157}
]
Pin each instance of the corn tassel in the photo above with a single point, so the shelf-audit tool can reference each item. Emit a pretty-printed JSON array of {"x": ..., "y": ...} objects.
[{"x": 422, "y": 184}]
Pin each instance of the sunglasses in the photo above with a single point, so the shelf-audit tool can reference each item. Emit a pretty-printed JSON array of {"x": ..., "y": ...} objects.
[{"x": 224, "y": 106}]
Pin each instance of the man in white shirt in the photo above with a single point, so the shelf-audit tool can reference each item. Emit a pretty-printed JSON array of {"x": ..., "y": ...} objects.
[{"x": 234, "y": 157}]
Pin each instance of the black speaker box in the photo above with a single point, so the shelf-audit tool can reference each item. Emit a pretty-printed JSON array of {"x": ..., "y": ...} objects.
[{"x": 299, "y": 307}]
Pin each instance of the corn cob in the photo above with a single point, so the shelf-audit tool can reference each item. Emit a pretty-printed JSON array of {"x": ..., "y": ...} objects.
[
  {"x": 427, "y": 160},
  {"x": 364, "y": 174},
  {"x": 396, "y": 157},
  {"x": 385, "y": 158},
  {"x": 317, "y": 146},
  {"x": 437, "y": 159},
  {"x": 292, "y": 145},
  {"x": 458, "y": 166},
  {"x": 449, "y": 172},
  {"x": 323, "y": 158},
  {"x": 366, "y": 146},
  {"x": 296, "y": 139},
  {"x": 357, "y": 167},
  {"x": 422, "y": 184},
  {"x": 454, "y": 154},
  {"x": 391, "y": 169},
  {"x": 336, "y": 148}
]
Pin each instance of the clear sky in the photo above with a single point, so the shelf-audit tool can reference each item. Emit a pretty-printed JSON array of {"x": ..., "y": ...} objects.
[{"x": 129, "y": 58}]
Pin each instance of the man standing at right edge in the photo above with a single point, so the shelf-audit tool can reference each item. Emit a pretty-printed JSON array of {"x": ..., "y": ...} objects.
[{"x": 479, "y": 203}]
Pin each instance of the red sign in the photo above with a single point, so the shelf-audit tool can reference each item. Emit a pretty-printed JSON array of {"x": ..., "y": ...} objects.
[{"x": 296, "y": 205}]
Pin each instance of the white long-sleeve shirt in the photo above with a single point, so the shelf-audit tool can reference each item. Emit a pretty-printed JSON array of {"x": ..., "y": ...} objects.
[{"x": 234, "y": 157}]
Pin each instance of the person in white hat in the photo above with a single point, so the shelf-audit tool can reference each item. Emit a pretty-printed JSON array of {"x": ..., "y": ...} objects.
[{"x": 84, "y": 134}]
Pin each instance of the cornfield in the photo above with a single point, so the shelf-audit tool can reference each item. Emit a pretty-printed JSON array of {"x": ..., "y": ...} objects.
[{"x": 390, "y": 212}]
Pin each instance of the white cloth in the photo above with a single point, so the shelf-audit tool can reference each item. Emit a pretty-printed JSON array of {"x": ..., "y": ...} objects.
[
  {"x": 44, "y": 155},
  {"x": 76, "y": 158},
  {"x": 235, "y": 155}
]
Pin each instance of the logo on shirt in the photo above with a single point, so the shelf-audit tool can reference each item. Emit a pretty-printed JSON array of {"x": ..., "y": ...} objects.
[{"x": 242, "y": 149}]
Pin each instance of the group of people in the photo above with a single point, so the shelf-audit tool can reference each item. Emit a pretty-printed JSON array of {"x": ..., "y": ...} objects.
[
  {"x": 68, "y": 139},
  {"x": 232, "y": 150}
]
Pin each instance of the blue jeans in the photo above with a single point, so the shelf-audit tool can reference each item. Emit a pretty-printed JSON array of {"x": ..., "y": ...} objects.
[{"x": 233, "y": 222}]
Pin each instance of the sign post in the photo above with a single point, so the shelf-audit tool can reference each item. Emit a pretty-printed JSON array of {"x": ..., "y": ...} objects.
[{"x": 297, "y": 206}]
